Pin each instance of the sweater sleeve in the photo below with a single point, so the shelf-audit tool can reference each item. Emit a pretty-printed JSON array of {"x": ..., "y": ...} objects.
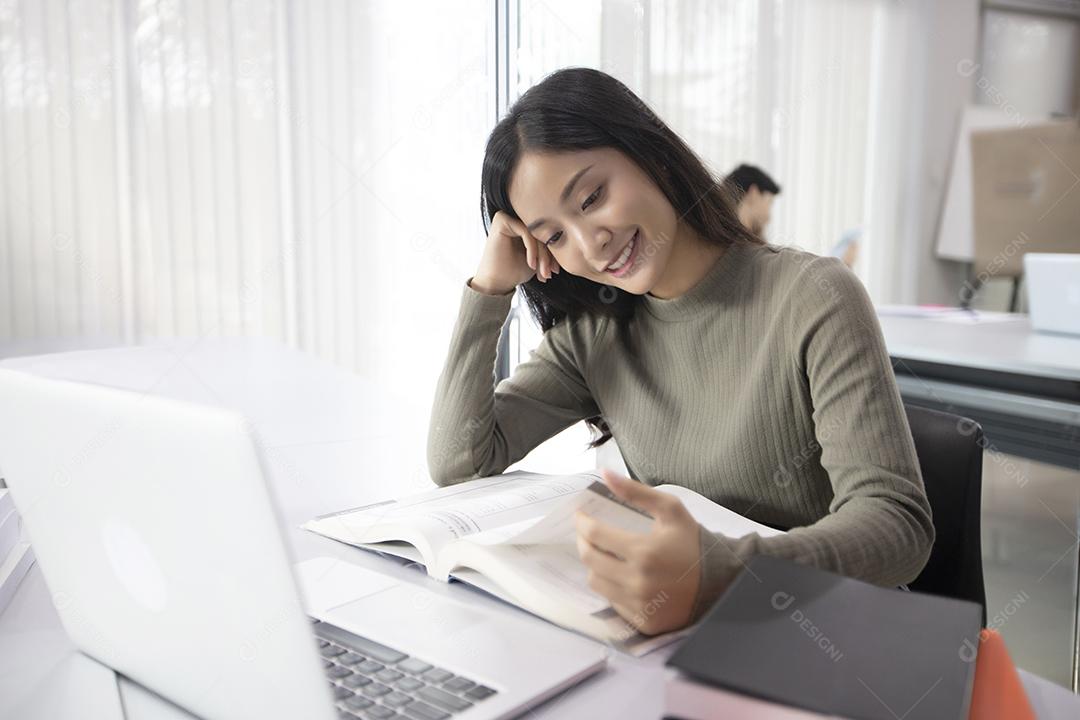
[
  {"x": 878, "y": 527},
  {"x": 477, "y": 429}
]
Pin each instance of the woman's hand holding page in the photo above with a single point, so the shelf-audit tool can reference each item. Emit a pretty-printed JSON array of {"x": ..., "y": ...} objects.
[{"x": 650, "y": 578}]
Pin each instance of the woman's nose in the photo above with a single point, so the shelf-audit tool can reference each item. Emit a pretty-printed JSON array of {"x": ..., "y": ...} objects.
[{"x": 595, "y": 246}]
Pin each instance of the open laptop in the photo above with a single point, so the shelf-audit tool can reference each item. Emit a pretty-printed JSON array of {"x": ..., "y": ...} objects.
[
  {"x": 154, "y": 529},
  {"x": 1053, "y": 282}
]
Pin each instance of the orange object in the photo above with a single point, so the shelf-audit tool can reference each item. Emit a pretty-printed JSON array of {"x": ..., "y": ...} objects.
[{"x": 997, "y": 691}]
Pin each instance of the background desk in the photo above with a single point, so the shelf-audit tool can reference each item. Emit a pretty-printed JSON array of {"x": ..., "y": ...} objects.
[
  {"x": 1023, "y": 387},
  {"x": 331, "y": 440}
]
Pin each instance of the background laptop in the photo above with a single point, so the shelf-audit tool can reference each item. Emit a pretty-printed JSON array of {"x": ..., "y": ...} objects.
[
  {"x": 1053, "y": 283},
  {"x": 154, "y": 530}
]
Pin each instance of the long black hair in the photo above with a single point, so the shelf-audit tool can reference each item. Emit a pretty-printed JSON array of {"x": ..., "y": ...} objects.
[{"x": 584, "y": 109}]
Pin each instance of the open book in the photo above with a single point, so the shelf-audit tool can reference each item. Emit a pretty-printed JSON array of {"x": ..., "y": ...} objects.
[{"x": 513, "y": 535}]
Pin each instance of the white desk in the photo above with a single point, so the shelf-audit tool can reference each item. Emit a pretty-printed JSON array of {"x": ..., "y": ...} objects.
[
  {"x": 1022, "y": 386},
  {"x": 1008, "y": 346},
  {"x": 332, "y": 440}
]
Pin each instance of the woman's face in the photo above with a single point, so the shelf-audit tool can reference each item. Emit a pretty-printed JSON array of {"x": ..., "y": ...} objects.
[{"x": 587, "y": 206}]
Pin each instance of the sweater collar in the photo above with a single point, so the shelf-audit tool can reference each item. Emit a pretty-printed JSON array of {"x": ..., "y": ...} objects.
[{"x": 708, "y": 290}]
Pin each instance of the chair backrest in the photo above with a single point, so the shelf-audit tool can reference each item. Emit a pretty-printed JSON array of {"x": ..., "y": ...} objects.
[{"x": 950, "y": 450}]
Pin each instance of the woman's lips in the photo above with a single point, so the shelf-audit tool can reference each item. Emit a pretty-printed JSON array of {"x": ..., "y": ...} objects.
[{"x": 625, "y": 269}]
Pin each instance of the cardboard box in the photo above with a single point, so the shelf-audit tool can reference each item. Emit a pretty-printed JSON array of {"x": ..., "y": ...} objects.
[{"x": 1025, "y": 195}]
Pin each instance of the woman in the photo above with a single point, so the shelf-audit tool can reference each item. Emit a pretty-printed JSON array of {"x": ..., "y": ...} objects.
[{"x": 753, "y": 374}]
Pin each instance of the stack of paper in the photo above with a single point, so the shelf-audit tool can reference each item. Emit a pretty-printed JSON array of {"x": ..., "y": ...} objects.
[
  {"x": 15, "y": 557},
  {"x": 947, "y": 313}
]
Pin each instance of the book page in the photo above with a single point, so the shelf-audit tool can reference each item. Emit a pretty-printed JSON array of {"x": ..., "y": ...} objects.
[
  {"x": 449, "y": 513},
  {"x": 536, "y": 559},
  {"x": 543, "y": 551},
  {"x": 599, "y": 502},
  {"x": 558, "y": 526},
  {"x": 551, "y": 571},
  {"x": 717, "y": 518},
  {"x": 550, "y": 581}
]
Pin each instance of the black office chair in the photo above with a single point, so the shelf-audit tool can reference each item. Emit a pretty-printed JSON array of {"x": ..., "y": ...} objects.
[{"x": 950, "y": 451}]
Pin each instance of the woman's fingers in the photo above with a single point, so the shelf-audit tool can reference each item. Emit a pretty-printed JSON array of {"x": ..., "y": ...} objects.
[
  {"x": 543, "y": 262},
  {"x": 600, "y": 561},
  {"x": 612, "y": 590},
  {"x": 537, "y": 255},
  {"x": 522, "y": 232},
  {"x": 551, "y": 265},
  {"x": 530, "y": 251},
  {"x": 605, "y": 537},
  {"x": 660, "y": 505}
]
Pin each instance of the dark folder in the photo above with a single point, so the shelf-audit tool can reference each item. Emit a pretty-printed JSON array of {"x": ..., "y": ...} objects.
[{"x": 804, "y": 637}]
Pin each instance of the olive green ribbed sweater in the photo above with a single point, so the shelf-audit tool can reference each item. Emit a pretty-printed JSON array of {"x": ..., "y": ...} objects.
[{"x": 766, "y": 388}]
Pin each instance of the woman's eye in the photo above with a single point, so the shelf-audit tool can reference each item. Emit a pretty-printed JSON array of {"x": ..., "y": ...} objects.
[
  {"x": 591, "y": 199},
  {"x": 588, "y": 201}
]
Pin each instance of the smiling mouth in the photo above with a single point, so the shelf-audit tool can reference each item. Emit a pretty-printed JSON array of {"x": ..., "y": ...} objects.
[{"x": 623, "y": 262}]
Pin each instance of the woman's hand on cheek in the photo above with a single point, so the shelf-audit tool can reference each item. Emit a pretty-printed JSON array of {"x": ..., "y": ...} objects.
[{"x": 651, "y": 579}]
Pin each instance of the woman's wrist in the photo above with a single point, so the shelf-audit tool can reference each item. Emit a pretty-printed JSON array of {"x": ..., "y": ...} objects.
[
  {"x": 487, "y": 288},
  {"x": 716, "y": 570}
]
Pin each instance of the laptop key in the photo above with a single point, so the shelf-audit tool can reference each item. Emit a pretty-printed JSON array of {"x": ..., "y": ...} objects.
[
  {"x": 369, "y": 667},
  {"x": 332, "y": 651},
  {"x": 378, "y": 712},
  {"x": 362, "y": 645},
  {"x": 442, "y": 699},
  {"x": 356, "y": 681},
  {"x": 341, "y": 693},
  {"x": 408, "y": 684},
  {"x": 350, "y": 658},
  {"x": 376, "y": 689},
  {"x": 479, "y": 692},
  {"x": 387, "y": 675},
  {"x": 396, "y": 699},
  {"x": 337, "y": 672},
  {"x": 458, "y": 684},
  {"x": 412, "y": 665},
  {"x": 356, "y": 702},
  {"x": 422, "y": 711},
  {"x": 437, "y": 675}
]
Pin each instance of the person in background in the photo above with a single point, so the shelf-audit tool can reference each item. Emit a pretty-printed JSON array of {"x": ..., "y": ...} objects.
[
  {"x": 848, "y": 247},
  {"x": 754, "y": 191}
]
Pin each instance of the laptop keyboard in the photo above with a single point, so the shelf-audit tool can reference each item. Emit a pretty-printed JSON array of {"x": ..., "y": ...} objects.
[{"x": 376, "y": 682}]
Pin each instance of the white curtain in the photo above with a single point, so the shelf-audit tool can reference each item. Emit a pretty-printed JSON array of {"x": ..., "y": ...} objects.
[
  {"x": 306, "y": 171},
  {"x": 303, "y": 171},
  {"x": 807, "y": 90},
  {"x": 309, "y": 171}
]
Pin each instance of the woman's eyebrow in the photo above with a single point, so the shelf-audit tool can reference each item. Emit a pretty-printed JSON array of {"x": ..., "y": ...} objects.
[{"x": 565, "y": 194}]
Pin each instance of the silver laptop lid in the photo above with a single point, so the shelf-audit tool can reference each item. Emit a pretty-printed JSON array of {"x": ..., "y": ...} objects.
[
  {"x": 154, "y": 530},
  {"x": 1053, "y": 283}
]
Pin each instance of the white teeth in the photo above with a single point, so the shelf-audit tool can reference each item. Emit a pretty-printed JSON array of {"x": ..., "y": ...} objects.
[{"x": 624, "y": 256}]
